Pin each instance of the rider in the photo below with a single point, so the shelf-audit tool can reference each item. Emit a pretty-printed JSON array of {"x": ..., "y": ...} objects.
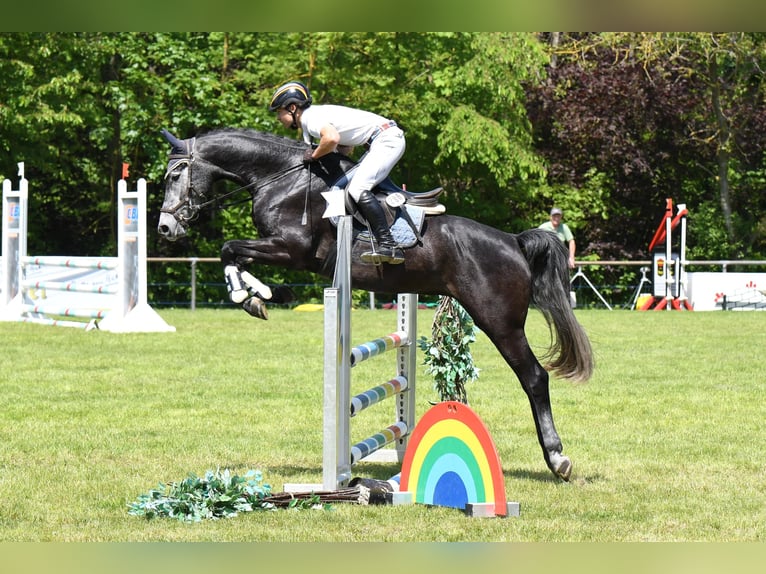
[{"x": 348, "y": 127}]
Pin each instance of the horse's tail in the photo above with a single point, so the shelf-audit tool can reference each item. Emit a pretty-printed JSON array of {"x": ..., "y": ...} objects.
[{"x": 570, "y": 355}]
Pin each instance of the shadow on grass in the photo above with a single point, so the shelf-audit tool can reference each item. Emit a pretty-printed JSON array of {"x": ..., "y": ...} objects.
[
  {"x": 537, "y": 475},
  {"x": 385, "y": 471},
  {"x": 379, "y": 471},
  {"x": 547, "y": 476}
]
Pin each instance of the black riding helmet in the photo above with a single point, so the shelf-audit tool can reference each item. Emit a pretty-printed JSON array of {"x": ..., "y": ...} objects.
[{"x": 290, "y": 93}]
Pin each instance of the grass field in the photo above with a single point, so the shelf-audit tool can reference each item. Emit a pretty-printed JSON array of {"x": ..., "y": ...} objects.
[{"x": 665, "y": 439}]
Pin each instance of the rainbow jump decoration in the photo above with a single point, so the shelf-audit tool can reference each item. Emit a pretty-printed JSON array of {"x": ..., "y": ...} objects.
[{"x": 452, "y": 461}]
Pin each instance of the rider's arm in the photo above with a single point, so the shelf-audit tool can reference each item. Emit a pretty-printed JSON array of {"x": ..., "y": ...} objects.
[{"x": 328, "y": 141}]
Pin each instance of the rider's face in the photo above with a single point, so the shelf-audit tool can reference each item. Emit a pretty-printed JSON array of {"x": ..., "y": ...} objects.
[{"x": 285, "y": 117}]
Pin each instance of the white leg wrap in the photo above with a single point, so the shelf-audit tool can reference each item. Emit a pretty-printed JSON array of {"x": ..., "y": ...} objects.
[
  {"x": 242, "y": 285},
  {"x": 260, "y": 289},
  {"x": 237, "y": 291}
]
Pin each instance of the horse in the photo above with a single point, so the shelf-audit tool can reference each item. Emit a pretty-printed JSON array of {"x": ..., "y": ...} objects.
[{"x": 495, "y": 275}]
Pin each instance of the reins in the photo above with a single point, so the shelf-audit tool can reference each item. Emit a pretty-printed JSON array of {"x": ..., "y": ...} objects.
[{"x": 256, "y": 186}]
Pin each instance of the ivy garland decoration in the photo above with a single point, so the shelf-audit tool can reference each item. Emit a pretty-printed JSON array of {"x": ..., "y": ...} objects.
[
  {"x": 448, "y": 354},
  {"x": 217, "y": 494}
]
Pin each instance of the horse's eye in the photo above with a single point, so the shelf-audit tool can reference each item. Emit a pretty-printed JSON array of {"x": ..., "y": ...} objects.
[{"x": 176, "y": 174}]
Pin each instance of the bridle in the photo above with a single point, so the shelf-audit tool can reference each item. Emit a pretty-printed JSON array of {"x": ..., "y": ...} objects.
[{"x": 185, "y": 212}]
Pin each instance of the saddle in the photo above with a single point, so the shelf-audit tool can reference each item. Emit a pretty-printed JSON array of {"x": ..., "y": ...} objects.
[
  {"x": 394, "y": 196},
  {"x": 427, "y": 200},
  {"x": 409, "y": 209}
]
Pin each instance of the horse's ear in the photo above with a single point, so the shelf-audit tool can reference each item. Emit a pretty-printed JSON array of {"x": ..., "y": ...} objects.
[{"x": 173, "y": 140}]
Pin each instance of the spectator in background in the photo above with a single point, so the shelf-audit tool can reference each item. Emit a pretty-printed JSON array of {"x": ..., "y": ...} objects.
[{"x": 557, "y": 226}]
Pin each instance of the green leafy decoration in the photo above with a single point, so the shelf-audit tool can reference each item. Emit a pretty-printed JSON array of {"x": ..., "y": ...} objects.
[
  {"x": 218, "y": 494},
  {"x": 448, "y": 354}
]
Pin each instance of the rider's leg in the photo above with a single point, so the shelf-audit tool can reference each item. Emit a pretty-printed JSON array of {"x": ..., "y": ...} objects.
[
  {"x": 376, "y": 164},
  {"x": 388, "y": 251}
]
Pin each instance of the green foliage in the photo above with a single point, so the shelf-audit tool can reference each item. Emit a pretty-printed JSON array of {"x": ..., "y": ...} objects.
[
  {"x": 217, "y": 494},
  {"x": 707, "y": 234},
  {"x": 581, "y": 204},
  {"x": 448, "y": 353}
]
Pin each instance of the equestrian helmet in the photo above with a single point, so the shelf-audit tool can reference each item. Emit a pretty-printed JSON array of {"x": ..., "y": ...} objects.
[{"x": 290, "y": 93}]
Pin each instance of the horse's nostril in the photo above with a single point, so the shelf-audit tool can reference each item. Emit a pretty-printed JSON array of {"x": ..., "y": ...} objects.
[{"x": 163, "y": 230}]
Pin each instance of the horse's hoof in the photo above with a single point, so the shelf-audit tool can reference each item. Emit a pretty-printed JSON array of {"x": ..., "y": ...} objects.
[
  {"x": 256, "y": 308},
  {"x": 564, "y": 471},
  {"x": 561, "y": 466}
]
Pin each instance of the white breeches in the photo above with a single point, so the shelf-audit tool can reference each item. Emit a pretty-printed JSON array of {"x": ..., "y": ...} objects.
[{"x": 385, "y": 150}]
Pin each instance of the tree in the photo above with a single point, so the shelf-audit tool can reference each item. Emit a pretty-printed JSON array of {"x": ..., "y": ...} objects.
[
  {"x": 731, "y": 118},
  {"x": 650, "y": 116},
  {"x": 607, "y": 134},
  {"x": 605, "y": 125}
]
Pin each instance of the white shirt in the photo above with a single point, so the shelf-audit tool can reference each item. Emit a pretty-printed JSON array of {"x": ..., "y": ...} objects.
[{"x": 354, "y": 126}]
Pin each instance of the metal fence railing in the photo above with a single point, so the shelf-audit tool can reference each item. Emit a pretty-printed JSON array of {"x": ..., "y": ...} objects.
[{"x": 611, "y": 282}]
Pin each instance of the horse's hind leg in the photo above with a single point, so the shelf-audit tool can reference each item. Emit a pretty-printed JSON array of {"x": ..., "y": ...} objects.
[
  {"x": 534, "y": 381},
  {"x": 514, "y": 347}
]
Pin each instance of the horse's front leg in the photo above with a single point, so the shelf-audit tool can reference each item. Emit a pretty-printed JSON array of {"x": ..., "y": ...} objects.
[{"x": 245, "y": 289}]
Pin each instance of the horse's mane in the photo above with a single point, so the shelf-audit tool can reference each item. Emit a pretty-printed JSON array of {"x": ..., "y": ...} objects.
[
  {"x": 273, "y": 141},
  {"x": 267, "y": 138}
]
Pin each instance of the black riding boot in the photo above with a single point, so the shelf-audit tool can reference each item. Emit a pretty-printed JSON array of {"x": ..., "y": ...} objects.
[{"x": 387, "y": 250}]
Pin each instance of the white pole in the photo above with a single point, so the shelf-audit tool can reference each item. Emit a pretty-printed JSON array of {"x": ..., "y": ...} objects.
[
  {"x": 681, "y": 290},
  {"x": 336, "y": 457},
  {"x": 14, "y": 240},
  {"x": 407, "y": 306},
  {"x": 668, "y": 259}
]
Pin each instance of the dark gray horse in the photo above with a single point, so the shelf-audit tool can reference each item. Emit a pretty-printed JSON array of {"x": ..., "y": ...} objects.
[{"x": 495, "y": 275}]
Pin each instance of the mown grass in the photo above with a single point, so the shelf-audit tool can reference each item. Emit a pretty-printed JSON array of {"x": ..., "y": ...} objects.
[{"x": 665, "y": 439}]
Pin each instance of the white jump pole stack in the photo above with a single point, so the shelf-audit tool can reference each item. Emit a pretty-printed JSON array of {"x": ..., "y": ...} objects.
[
  {"x": 336, "y": 456},
  {"x": 14, "y": 237},
  {"x": 338, "y": 452},
  {"x": 132, "y": 312},
  {"x": 110, "y": 293}
]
